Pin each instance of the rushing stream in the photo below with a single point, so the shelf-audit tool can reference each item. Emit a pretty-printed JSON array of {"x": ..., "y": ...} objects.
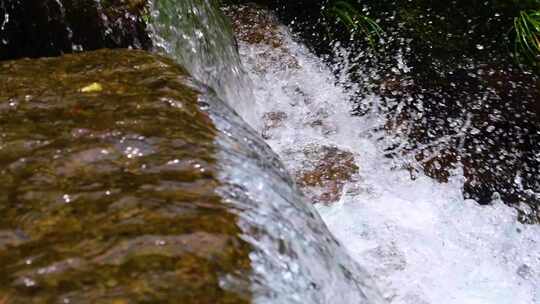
[
  {"x": 294, "y": 258},
  {"x": 239, "y": 169},
  {"x": 196, "y": 34},
  {"x": 420, "y": 239}
]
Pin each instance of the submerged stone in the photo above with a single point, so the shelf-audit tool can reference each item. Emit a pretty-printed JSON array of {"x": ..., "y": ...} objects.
[
  {"x": 109, "y": 195},
  {"x": 327, "y": 170}
]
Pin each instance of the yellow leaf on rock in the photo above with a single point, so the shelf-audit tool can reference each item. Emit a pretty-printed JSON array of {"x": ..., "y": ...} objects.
[{"x": 91, "y": 88}]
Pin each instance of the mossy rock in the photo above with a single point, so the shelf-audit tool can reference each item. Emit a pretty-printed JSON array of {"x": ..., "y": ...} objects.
[
  {"x": 44, "y": 28},
  {"x": 108, "y": 186}
]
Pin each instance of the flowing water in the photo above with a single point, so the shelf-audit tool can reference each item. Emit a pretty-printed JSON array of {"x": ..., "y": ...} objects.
[
  {"x": 199, "y": 36},
  {"x": 295, "y": 259},
  {"x": 420, "y": 240}
]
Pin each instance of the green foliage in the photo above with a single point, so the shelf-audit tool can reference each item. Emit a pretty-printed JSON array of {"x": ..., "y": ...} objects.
[
  {"x": 346, "y": 13},
  {"x": 527, "y": 41}
]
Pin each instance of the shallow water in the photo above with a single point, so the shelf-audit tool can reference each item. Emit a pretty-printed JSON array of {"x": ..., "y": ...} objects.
[{"x": 420, "y": 239}]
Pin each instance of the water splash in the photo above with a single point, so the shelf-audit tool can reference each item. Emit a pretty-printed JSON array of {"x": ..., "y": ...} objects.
[
  {"x": 295, "y": 258},
  {"x": 420, "y": 239}
]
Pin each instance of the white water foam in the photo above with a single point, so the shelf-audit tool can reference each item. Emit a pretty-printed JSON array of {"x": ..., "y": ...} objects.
[{"x": 420, "y": 240}]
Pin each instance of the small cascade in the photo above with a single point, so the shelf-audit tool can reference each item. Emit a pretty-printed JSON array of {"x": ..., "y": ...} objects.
[
  {"x": 199, "y": 37},
  {"x": 420, "y": 239},
  {"x": 127, "y": 179},
  {"x": 295, "y": 259}
]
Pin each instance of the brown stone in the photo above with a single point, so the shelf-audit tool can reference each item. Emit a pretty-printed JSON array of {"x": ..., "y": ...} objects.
[
  {"x": 272, "y": 120},
  {"x": 108, "y": 195},
  {"x": 257, "y": 25},
  {"x": 329, "y": 169}
]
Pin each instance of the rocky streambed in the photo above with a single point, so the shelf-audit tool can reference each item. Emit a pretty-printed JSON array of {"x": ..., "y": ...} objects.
[
  {"x": 124, "y": 180},
  {"x": 129, "y": 177}
]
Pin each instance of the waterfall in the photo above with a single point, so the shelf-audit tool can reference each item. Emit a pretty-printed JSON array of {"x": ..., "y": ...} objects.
[
  {"x": 420, "y": 241},
  {"x": 199, "y": 37},
  {"x": 295, "y": 258}
]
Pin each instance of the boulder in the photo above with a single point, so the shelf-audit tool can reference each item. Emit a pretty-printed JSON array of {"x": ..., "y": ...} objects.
[
  {"x": 255, "y": 25},
  {"x": 108, "y": 185}
]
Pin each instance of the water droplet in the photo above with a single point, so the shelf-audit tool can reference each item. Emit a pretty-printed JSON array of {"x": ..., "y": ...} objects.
[
  {"x": 173, "y": 162},
  {"x": 29, "y": 282}
]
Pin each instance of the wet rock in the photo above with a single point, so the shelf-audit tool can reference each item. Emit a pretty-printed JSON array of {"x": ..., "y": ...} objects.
[
  {"x": 256, "y": 25},
  {"x": 51, "y": 27},
  {"x": 124, "y": 180},
  {"x": 325, "y": 172},
  {"x": 272, "y": 120},
  {"x": 110, "y": 194},
  {"x": 525, "y": 271},
  {"x": 485, "y": 121}
]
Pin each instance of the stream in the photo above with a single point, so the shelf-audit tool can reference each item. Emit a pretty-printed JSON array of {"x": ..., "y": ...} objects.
[
  {"x": 208, "y": 155},
  {"x": 420, "y": 240}
]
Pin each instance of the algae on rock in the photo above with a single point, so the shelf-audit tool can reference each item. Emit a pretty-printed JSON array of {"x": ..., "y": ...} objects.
[{"x": 108, "y": 196}]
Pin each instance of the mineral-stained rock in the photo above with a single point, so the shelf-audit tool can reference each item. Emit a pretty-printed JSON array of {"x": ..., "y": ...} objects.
[
  {"x": 108, "y": 196},
  {"x": 34, "y": 28},
  {"x": 329, "y": 170}
]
